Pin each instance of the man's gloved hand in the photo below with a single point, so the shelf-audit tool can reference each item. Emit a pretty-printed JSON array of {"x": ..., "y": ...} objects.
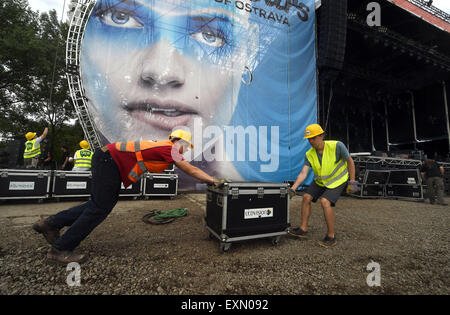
[
  {"x": 352, "y": 187},
  {"x": 218, "y": 182},
  {"x": 291, "y": 193}
]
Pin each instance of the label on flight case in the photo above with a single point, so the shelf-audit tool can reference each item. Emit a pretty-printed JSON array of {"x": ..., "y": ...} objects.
[
  {"x": 160, "y": 185},
  {"x": 76, "y": 185},
  {"x": 258, "y": 213},
  {"x": 21, "y": 185}
]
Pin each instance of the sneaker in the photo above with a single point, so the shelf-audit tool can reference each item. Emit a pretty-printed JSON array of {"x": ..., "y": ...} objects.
[
  {"x": 328, "y": 241},
  {"x": 298, "y": 232},
  {"x": 64, "y": 257},
  {"x": 51, "y": 234}
]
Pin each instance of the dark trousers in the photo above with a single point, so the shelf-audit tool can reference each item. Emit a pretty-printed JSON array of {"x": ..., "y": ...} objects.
[
  {"x": 82, "y": 219},
  {"x": 435, "y": 189}
]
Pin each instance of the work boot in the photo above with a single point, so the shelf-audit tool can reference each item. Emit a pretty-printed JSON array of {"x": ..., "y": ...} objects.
[
  {"x": 64, "y": 256},
  {"x": 51, "y": 234}
]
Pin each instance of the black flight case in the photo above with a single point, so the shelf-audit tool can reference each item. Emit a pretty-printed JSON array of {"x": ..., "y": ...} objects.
[
  {"x": 405, "y": 184},
  {"x": 247, "y": 210},
  {"x": 70, "y": 184},
  {"x": 160, "y": 185},
  {"x": 24, "y": 184}
]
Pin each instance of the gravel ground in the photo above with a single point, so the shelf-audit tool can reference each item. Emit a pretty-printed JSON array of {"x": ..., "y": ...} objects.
[{"x": 409, "y": 240}]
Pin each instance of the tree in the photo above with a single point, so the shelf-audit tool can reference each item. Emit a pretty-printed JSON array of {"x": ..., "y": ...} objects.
[
  {"x": 18, "y": 40},
  {"x": 50, "y": 102},
  {"x": 33, "y": 86}
]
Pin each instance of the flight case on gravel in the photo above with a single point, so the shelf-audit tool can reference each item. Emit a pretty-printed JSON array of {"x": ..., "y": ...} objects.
[
  {"x": 160, "y": 184},
  {"x": 374, "y": 184},
  {"x": 247, "y": 210},
  {"x": 405, "y": 184},
  {"x": 71, "y": 184},
  {"x": 24, "y": 184},
  {"x": 134, "y": 190}
]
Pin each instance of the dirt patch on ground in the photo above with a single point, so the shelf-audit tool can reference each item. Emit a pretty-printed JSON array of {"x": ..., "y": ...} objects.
[{"x": 409, "y": 240}]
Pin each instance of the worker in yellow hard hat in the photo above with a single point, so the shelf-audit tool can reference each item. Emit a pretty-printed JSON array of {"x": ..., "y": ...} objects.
[
  {"x": 82, "y": 158},
  {"x": 32, "y": 150},
  {"x": 116, "y": 163},
  {"x": 332, "y": 166}
]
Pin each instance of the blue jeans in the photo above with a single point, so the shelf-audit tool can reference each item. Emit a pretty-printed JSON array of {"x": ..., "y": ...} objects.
[{"x": 83, "y": 219}]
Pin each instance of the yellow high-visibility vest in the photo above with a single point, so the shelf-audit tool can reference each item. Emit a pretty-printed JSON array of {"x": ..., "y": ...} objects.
[
  {"x": 83, "y": 158},
  {"x": 31, "y": 150},
  {"x": 330, "y": 173}
]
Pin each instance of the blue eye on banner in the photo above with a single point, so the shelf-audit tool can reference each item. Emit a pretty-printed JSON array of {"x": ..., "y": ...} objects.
[{"x": 239, "y": 75}]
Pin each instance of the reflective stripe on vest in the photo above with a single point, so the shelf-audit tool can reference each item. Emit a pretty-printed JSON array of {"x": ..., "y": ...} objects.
[
  {"x": 30, "y": 149},
  {"x": 83, "y": 158},
  {"x": 142, "y": 166},
  {"x": 330, "y": 173}
]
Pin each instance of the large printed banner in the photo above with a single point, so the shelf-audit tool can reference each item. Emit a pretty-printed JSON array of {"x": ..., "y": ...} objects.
[{"x": 239, "y": 75}]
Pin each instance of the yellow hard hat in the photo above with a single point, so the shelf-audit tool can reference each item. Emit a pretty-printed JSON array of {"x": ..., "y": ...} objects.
[
  {"x": 313, "y": 130},
  {"x": 182, "y": 134},
  {"x": 30, "y": 135},
  {"x": 84, "y": 144}
]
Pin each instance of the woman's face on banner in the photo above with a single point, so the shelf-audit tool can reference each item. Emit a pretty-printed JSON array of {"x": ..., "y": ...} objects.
[{"x": 149, "y": 66}]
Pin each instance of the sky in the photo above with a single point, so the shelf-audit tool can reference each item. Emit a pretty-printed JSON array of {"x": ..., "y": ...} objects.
[{"x": 47, "y": 5}]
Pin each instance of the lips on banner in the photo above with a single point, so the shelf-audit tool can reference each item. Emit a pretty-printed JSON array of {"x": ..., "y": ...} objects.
[{"x": 239, "y": 75}]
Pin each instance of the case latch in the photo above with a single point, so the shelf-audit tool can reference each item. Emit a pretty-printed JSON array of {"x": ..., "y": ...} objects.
[
  {"x": 234, "y": 193},
  {"x": 283, "y": 192},
  {"x": 260, "y": 192}
]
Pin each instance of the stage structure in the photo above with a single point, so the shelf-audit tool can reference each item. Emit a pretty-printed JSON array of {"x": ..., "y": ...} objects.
[
  {"x": 73, "y": 46},
  {"x": 390, "y": 90},
  {"x": 240, "y": 75},
  {"x": 380, "y": 88}
]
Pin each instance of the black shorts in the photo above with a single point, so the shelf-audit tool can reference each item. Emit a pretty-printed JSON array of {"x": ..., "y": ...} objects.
[{"x": 332, "y": 195}]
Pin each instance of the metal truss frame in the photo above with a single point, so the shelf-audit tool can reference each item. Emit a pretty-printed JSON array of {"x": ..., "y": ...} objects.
[
  {"x": 78, "y": 22},
  {"x": 385, "y": 161}
]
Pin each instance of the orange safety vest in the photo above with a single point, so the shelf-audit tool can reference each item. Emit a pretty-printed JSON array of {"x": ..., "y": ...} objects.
[{"x": 142, "y": 166}]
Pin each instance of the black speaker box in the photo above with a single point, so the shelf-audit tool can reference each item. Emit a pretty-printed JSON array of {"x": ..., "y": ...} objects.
[
  {"x": 15, "y": 153},
  {"x": 332, "y": 36}
]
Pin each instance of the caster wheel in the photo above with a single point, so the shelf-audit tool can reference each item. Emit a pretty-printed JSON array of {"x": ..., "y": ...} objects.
[
  {"x": 225, "y": 247},
  {"x": 276, "y": 241}
]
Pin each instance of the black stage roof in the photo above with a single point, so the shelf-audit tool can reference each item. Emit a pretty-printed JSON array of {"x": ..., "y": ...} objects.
[{"x": 387, "y": 70}]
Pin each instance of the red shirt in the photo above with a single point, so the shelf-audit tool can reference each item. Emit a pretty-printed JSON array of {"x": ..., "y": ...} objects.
[{"x": 127, "y": 160}]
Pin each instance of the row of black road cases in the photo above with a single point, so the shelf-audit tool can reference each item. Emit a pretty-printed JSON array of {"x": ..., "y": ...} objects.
[
  {"x": 396, "y": 184},
  {"x": 247, "y": 210},
  {"x": 43, "y": 184}
]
